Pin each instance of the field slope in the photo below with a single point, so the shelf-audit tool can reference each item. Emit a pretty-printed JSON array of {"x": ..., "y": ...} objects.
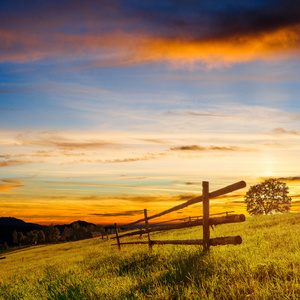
[{"x": 265, "y": 266}]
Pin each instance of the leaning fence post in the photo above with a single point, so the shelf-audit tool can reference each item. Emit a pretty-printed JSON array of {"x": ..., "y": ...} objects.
[
  {"x": 205, "y": 197},
  {"x": 117, "y": 236},
  {"x": 147, "y": 228}
]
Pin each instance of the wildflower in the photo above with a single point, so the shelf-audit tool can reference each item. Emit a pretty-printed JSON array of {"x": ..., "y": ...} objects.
[
  {"x": 192, "y": 292},
  {"x": 146, "y": 295}
]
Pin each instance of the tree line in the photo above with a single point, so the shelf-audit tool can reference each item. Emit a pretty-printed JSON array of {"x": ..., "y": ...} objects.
[{"x": 51, "y": 234}]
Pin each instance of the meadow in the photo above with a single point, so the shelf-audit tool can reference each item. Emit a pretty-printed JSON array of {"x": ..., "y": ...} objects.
[{"x": 265, "y": 266}]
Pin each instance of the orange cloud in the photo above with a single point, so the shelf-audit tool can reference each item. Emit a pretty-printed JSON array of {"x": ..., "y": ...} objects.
[
  {"x": 14, "y": 162},
  {"x": 120, "y": 48},
  {"x": 219, "y": 52},
  {"x": 6, "y": 185},
  {"x": 210, "y": 148},
  {"x": 279, "y": 131}
]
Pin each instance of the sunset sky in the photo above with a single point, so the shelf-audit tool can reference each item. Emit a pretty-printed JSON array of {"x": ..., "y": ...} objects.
[{"x": 110, "y": 107}]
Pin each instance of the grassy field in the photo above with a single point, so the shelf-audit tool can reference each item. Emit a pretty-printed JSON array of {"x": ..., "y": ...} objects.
[{"x": 265, "y": 266}]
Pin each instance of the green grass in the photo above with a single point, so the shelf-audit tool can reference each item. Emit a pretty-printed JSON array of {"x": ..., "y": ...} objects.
[{"x": 265, "y": 266}]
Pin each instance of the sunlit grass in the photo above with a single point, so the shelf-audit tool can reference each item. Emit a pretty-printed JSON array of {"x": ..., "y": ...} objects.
[{"x": 265, "y": 266}]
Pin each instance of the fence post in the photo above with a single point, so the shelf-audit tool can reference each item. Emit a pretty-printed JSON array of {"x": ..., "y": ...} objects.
[
  {"x": 117, "y": 236},
  {"x": 147, "y": 228},
  {"x": 206, "y": 233}
]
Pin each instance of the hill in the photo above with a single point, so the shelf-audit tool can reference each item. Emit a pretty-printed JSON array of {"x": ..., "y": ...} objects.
[
  {"x": 80, "y": 223},
  {"x": 9, "y": 221},
  {"x": 265, "y": 266},
  {"x": 8, "y": 225}
]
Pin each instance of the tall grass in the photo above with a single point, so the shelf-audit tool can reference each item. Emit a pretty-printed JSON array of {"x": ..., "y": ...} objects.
[{"x": 265, "y": 266}]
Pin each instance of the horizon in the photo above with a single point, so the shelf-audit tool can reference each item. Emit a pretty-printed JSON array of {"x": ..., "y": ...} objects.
[{"x": 111, "y": 107}]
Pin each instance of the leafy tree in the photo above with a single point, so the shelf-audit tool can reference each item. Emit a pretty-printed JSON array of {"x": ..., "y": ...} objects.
[
  {"x": 32, "y": 237},
  {"x": 41, "y": 237},
  {"x": 100, "y": 228},
  {"x": 90, "y": 228},
  {"x": 76, "y": 227},
  {"x": 52, "y": 234},
  {"x": 21, "y": 238},
  {"x": 268, "y": 197},
  {"x": 67, "y": 234},
  {"x": 15, "y": 237}
]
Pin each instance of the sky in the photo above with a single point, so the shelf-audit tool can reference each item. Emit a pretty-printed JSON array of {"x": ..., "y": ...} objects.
[{"x": 111, "y": 107}]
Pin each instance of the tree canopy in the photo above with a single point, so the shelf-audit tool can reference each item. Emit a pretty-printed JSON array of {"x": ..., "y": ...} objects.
[{"x": 268, "y": 197}]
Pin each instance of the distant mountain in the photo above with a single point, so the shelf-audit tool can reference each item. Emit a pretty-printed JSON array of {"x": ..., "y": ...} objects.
[
  {"x": 80, "y": 223},
  {"x": 8, "y": 225},
  {"x": 9, "y": 221}
]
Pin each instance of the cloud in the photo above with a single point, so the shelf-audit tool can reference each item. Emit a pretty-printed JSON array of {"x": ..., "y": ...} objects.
[
  {"x": 153, "y": 141},
  {"x": 134, "y": 159},
  {"x": 108, "y": 33},
  {"x": 8, "y": 91},
  {"x": 126, "y": 160},
  {"x": 275, "y": 145},
  {"x": 189, "y": 148},
  {"x": 135, "y": 178},
  {"x": 207, "y": 115},
  {"x": 51, "y": 139},
  {"x": 290, "y": 179},
  {"x": 7, "y": 185},
  {"x": 185, "y": 197},
  {"x": 279, "y": 131},
  {"x": 210, "y": 148},
  {"x": 14, "y": 162},
  {"x": 140, "y": 199},
  {"x": 118, "y": 214}
]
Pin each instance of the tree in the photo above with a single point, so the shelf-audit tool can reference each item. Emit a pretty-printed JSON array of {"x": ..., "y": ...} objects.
[
  {"x": 15, "y": 237},
  {"x": 41, "y": 237},
  {"x": 31, "y": 237},
  {"x": 268, "y": 197},
  {"x": 90, "y": 228},
  {"x": 67, "y": 234},
  {"x": 21, "y": 238},
  {"x": 52, "y": 234}
]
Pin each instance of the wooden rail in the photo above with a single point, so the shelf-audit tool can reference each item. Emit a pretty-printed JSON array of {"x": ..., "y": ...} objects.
[
  {"x": 206, "y": 222},
  {"x": 220, "y": 192},
  {"x": 229, "y": 240},
  {"x": 199, "y": 222}
]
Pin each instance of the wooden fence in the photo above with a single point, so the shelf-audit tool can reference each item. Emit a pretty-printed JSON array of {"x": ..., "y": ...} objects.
[{"x": 206, "y": 222}]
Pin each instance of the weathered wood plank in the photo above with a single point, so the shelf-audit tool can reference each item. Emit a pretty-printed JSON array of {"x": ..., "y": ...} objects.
[
  {"x": 117, "y": 236},
  {"x": 205, "y": 199},
  {"x": 147, "y": 228},
  {"x": 228, "y": 240},
  {"x": 225, "y": 190},
  {"x": 199, "y": 222}
]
